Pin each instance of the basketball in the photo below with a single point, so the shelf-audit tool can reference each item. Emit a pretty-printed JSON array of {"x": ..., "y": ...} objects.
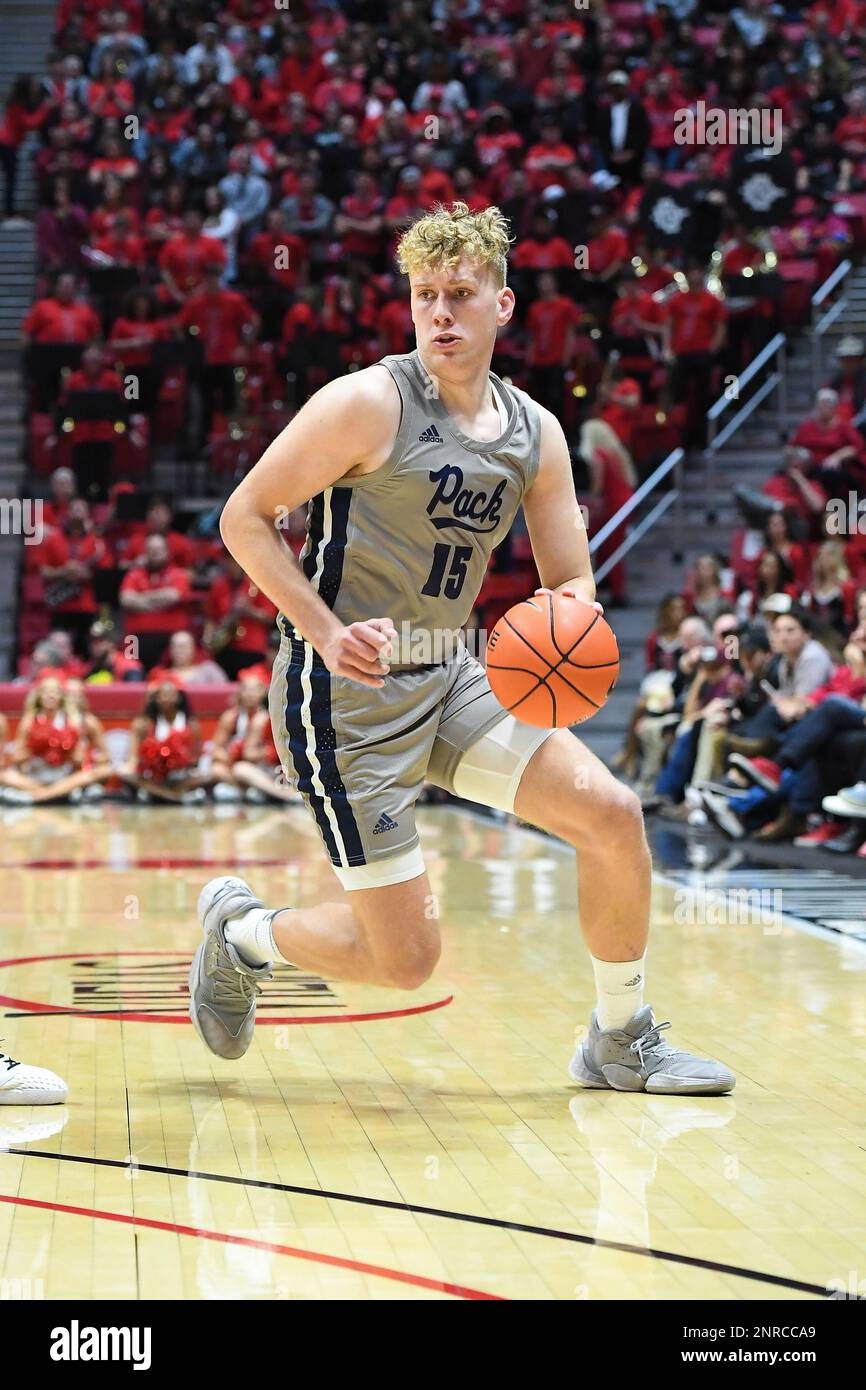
[{"x": 552, "y": 661}]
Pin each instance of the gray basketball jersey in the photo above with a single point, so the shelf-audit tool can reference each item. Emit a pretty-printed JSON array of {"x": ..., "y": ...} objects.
[{"x": 412, "y": 540}]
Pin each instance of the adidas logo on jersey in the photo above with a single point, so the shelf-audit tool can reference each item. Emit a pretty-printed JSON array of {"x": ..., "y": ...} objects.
[
  {"x": 384, "y": 823},
  {"x": 431, "y": 436}
]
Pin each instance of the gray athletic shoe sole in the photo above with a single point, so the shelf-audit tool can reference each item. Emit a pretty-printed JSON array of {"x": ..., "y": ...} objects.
[
  {"x": 222, "y": 987},
  {"x": 635, "y": 1058}
]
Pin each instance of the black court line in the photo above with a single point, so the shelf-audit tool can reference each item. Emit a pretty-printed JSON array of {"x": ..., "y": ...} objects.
[{"x": 694, "y": 1261}]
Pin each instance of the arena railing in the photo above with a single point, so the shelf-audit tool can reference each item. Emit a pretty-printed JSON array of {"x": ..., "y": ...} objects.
[
  {"x": 718, "y": 434},
  {"x": 673, "y": 464},
  {"x": 820, "y": 326}
]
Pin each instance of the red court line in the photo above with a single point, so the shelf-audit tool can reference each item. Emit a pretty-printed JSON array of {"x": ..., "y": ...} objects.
[
  {"x": 166, "y": 862},
  {"x": 34, "y": 1006},
  {"x": 418, "y": 1281}
]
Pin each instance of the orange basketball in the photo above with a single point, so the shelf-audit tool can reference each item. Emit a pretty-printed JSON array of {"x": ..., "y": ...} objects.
[{"x": 552, "y": 661}]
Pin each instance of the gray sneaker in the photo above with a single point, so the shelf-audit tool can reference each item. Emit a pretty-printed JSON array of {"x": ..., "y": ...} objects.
[
  {"x": 222, "y": 986},
  {"x": 635, "y": 1058}
]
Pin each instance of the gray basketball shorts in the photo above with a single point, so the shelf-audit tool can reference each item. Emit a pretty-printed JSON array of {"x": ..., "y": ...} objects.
[{"x": 360, "y": 756}]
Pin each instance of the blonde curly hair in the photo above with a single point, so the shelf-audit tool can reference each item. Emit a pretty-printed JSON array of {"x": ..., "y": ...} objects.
[{"x": 442, "y": 238}]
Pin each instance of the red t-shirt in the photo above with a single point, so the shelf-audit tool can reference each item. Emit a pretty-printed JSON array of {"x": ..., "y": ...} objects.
[
  {"x": 262, "y": 251},
  {"x": 403, "y": 208},
  {"x": 843, "y": 680},
  {"x": 169, "y": 126},
  {"x": 187, "y": 259},
  {"x": 300, "y": 75},
  {"x": 102, "y": 220},
  {"x": 739, "y": 256},
  {"x": 604, "y": 250},
  {"x": 118, "y": 97},
  {"x": 548, "y": 322},
  {"x": 491, "y": 150},
  {"x": 823, "y": 440},
  {"x": 49, "y": 321},
  {"x": 16, "y": 122},
  {"x": 628, "y": 314},
  {"x": 546, "y": 164},
  {"x": 58, "y": 549},
  {"x": 252, "y": 633},
  {"x": 349, "y": 95},
  {"x": 128, "y": 250},
  {"x": 396, "y": 326},
  {"x": 357, "y": 243},
  {"x": 694, "y": 317},
  {"x": 160, "y": 227},
  {"x": 621, "y": 419},
  {"x": 124, "y": 167},
  {"x": 552, "y": 254},
  {"x": 80, "y": 381},
  {"x": 436, "y": 187},
  {"x": 219, "y": 319},
  {"x": 851, "y": 133},
  {"x": 175, "y": 618},
  {"x": 126, "y": 330},
  {"x": 300, "y": 315}
]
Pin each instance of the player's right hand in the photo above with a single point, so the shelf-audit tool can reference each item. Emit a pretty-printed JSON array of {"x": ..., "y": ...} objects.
[{"x": 361, "y": 651}]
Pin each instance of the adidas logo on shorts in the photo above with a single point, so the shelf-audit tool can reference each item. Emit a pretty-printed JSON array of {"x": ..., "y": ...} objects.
[
  {"x": 384, "y": 823},
  {"x": 431, "y": 436}
]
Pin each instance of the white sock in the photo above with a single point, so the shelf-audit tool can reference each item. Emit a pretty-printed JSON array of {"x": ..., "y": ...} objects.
[
  {"x": 252, "y": 936},
  {"x": 619, "y": 986}
]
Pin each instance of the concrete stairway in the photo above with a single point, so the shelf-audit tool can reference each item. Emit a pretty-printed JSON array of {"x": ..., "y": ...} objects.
[{"x": 27, "y": 27}]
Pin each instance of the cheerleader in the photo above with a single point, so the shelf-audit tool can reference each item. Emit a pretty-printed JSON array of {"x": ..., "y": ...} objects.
[
  {"x": 244, "y": 759},
  {"x": 54, "y": 755},
  {"x": 163, "y": 756},
  {"x": 97, "y": 758}
]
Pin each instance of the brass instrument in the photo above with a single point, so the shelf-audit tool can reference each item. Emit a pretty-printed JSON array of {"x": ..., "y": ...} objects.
[{"x": 231, "y": 626}]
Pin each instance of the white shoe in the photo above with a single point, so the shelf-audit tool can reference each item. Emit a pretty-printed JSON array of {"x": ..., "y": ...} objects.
[
  {"x": 193, "y": 797},
  {"x": 255, "y": 796},
  {"x": 21, "y": 1084},
  {"x": 143, "y": 797},
  {"x": 224, "y": 791},
  {"x": 16, "y": 796},
  {"x": 95, "y": 792}
]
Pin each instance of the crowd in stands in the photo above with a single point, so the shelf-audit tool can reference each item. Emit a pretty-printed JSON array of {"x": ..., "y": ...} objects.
[
  {"x": 220, "y": 190},
  {"x": 753, "y": 709}
]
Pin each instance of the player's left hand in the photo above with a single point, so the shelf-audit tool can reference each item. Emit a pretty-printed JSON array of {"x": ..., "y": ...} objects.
[{"x": 568, "y": 591}]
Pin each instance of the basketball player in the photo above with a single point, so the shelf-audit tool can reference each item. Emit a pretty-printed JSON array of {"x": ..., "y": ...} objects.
[{"x": 414, "y": 469}]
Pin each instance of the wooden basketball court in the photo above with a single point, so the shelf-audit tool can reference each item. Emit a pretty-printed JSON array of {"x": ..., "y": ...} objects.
[{"x": 376, "y": 1145}]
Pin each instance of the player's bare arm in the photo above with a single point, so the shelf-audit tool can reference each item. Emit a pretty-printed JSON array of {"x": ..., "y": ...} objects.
[
  {"x": 348, "y": 428},
  {"x": 554, "y": 520}
]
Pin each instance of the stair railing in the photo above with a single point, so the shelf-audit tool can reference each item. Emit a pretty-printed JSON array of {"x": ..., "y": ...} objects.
[
  {"x": 673, "y": 464},
  {"x": 823, "y": 322}
]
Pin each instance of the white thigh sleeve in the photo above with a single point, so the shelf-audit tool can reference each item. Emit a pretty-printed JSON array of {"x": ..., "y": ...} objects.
[
  {"x": 490, "y": 770},
  {"x": 379, "y": 873}
]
